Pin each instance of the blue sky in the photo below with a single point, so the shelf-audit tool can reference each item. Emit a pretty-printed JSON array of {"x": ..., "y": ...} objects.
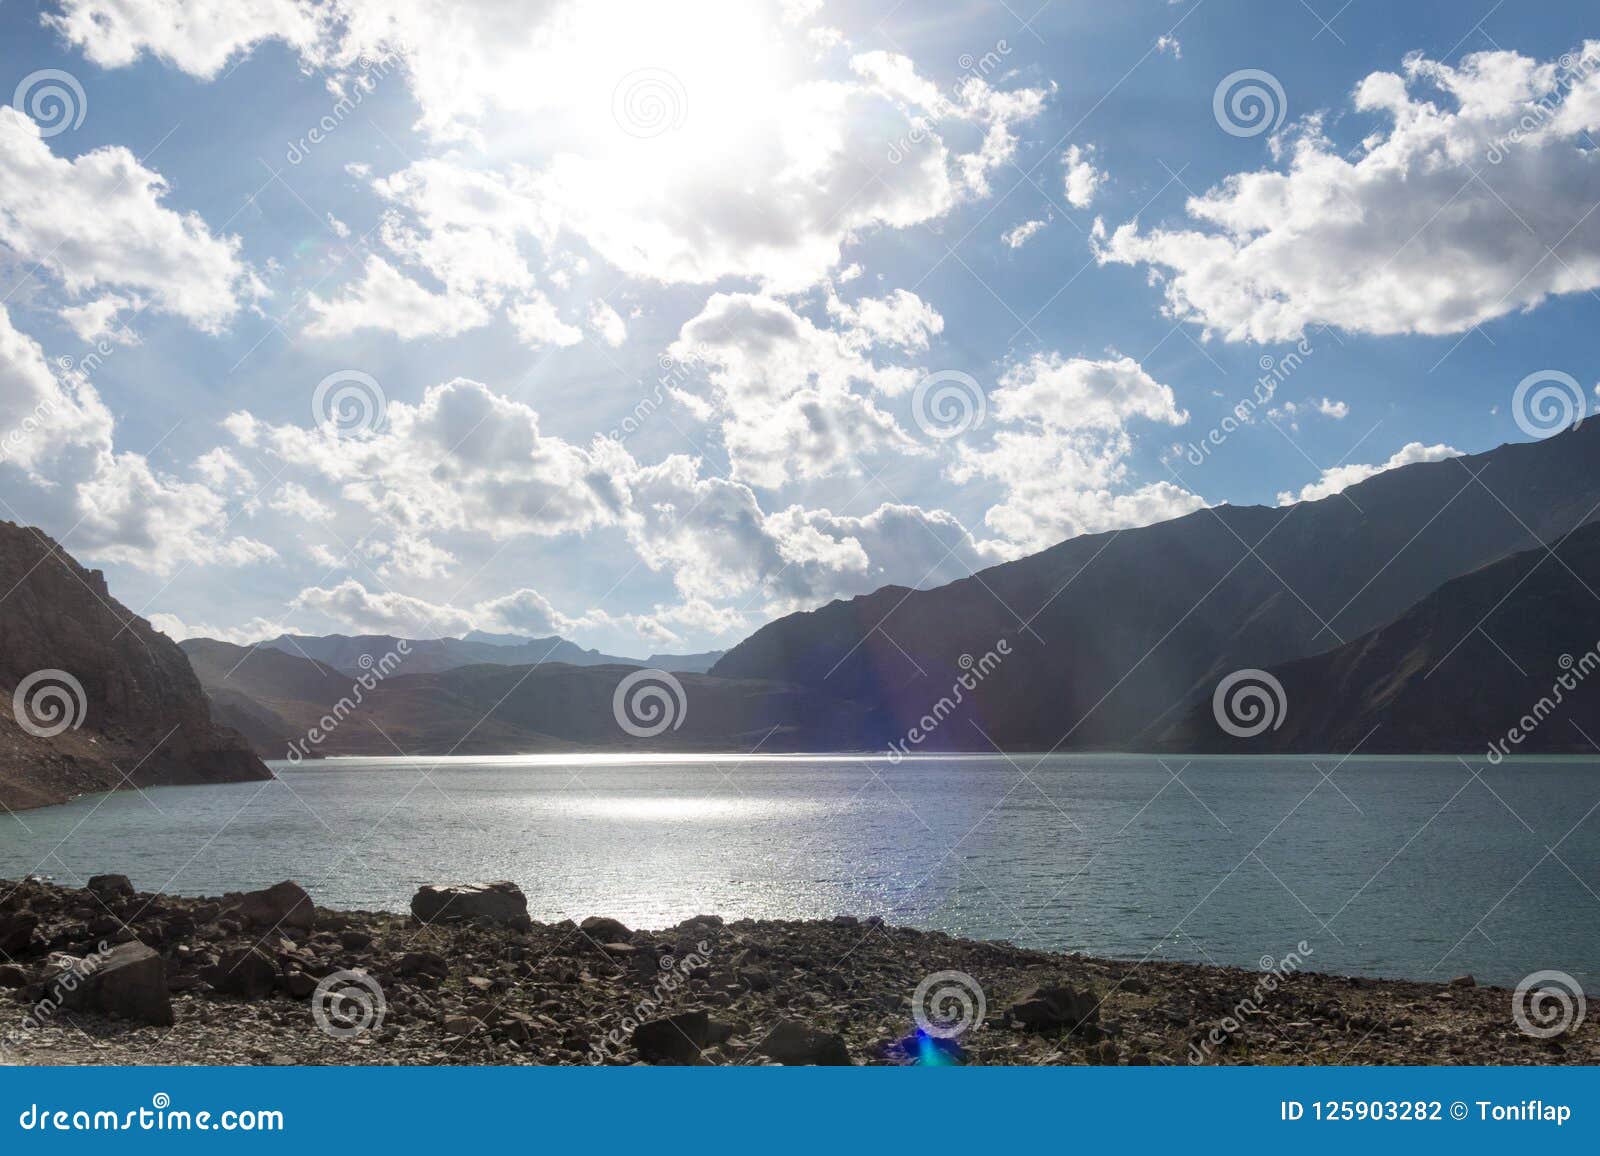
[{"x": 732, "y": 242}]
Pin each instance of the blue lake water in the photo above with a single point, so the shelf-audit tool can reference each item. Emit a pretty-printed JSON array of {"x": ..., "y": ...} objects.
[{"x": 1386, "y": 866}]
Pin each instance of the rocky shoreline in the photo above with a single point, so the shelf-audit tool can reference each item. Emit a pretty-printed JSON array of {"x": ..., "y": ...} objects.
[{"x": 105, "y": 975}]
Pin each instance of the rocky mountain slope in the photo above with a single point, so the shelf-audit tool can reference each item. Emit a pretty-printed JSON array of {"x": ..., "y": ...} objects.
[
  {"x": 1458, "y": 672},
  {"x": 1112, "y": 637},
  {"x": 92, "y": 698}
]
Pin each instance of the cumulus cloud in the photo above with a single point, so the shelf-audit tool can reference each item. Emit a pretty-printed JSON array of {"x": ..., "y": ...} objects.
[
  {"x": 97, "y": 222},
  {"x": 384, "y": 298},
  {"x": 1083, "y": 180},
  {"x": 795, "y": 400},
  {"x": 255, "y": 630},
  {"x": 1060, "y": 450},
  {"x": 1340, "y": 478},
  {"x": 198, "y": 36},
  {"x": 1022, "y": 234},
  {"x": 1473, "y": 202}
]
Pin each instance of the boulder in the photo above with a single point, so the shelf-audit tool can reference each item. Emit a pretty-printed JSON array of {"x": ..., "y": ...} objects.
[
  {"x": 673, "y": 1040},
  {"x": 111, "y": 886},
  {"x": 12, "y": 975},
  {"x": 1050, "y": 1007},
  {"x": 16, "y": 932},
  {"x": 604, "y": 929},
  {"x": 283, "y": 904},
  {"x": 129, "y": 980},
  {"x": 247, "y": 972},
  {"x": 793, "y": 1043},
  {"x": 501, "y": 902},
  {"x": 423, "y": 963}
]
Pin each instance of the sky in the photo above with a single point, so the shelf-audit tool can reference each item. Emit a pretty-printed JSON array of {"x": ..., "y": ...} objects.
[{"x": 643, "y": 323}]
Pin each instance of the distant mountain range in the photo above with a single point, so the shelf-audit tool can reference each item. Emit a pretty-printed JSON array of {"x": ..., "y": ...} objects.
[
  {"x": 280, "y": 699},
  {"x": 347, "y": 653}
]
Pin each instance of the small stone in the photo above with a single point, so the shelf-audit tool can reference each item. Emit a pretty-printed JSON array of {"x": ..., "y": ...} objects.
[
  {"x": 460, "y": 1025},
  {"x": 1463, "y": 981},
  {"x": 247, "y": 972}
]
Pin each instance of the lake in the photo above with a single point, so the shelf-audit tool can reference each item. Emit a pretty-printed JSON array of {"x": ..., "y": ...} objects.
[{"x": 1382, "y": 866}]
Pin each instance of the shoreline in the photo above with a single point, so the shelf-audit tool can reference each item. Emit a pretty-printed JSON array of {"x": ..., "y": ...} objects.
[{"x": 265, "y": 977}]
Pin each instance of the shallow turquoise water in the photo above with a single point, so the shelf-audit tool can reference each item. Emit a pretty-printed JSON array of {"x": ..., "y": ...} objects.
[{"x": 1401, "y": 867}]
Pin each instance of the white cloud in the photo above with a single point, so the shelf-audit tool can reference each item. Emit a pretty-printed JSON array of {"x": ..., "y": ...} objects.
[
  {"x": 1083, "y": 180},
  {"x": 795, "y": 400},
  {"x": 606, "y": 322},
  {"x": 1444, "y": 220},
  {"x": 255, "y": 630},
  {"x": 198, "y": 36},
  {"x": 386, "y": 299},
  {"x": 1060, "y": 450},
  {"x": 538, "y": 324},
  {"x": 97, "y": 222},
  {"x": 1022, "y": 234},
  {"x": 1340, "y": 478},
  {"x": 1171, "y": 45}
]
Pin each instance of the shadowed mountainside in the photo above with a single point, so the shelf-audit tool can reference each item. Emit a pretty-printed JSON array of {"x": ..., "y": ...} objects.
[
  {"x": 142, "y": 718},
  {"x": 1114, "y": 635},
  {"x": 1474, "y": 659}
]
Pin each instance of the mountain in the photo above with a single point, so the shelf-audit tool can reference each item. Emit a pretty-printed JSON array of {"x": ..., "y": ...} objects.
[
  {"x": 349, "y": 654},
  {"x": 96, "y": 698},
  {"x": 1483, "y": 654},
  {"x": 1103, "y": 641},
  {"x": 495, "y": 709},
  {"x": 684, "y": 663}
]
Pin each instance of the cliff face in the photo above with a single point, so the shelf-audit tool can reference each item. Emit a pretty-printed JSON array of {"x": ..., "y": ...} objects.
[{"x": 71, "y": 654}]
